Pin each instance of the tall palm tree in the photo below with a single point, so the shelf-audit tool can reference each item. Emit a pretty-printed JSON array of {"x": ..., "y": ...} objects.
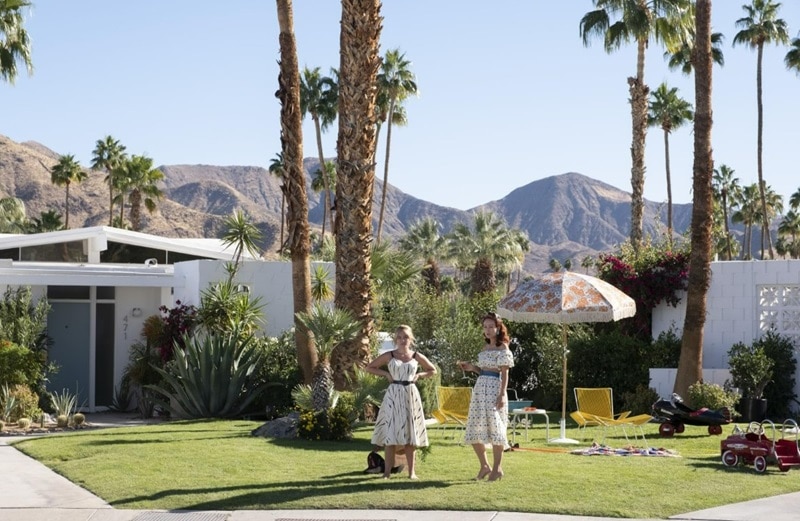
[
  {"x": 792, "y": 59},
  {"x": 67, "y": 171},
  {"x": 15, "y": 46},
  {"x": 690, "y": 363},
  {"x": 319, "y": 97},
  {"x": 641, "y": 21},
  {"x": 668, "y": 111},
  {"x": 326, "y": 182},
  {"x": 108, "y": 155},
  {"x": 141, "y": 187},
  {"x": 774, "y": 208},
  {"x": 359, "y": 62},
  {"x": 424, "y": 241},
  {"x": 759, "y": 27},
  {"x": 487, "y": 243},
  {"x": 790, "y": 227},
  {"x": 397, "y": 82},
  {"x": 748, "y": 214},
  {"x": 297, "y": 202},
  {"x": 727, "y": 188},
  {"x": 276, "y": 169}
]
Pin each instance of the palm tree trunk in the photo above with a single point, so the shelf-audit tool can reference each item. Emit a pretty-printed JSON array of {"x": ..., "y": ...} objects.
[
  {"x": 136, "y": 210},
  {"x": 669, "y": 188},
  {"x": 325, "y": 184},
  {"x": 110, "y": 202},
  {"x": 727, "y": 228},
  {"x": 292, "y": 149},
  {"x": 66, "y": 207},
  {"x": 690, "y": 364},
  {"x": 639, "y": 93},
  {"x": 359, "y": 40},
  {"x": 386, "y": 169},
  {"x": 761, "y": 186}
]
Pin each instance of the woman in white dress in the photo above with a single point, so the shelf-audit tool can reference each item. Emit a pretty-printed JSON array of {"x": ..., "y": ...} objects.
[
  {"x": 487, "y": 421},
  {"x": 401, "y": 419}
]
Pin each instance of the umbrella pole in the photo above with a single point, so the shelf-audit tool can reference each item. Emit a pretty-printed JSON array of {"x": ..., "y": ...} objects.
[{"x": 562, "y": 423}]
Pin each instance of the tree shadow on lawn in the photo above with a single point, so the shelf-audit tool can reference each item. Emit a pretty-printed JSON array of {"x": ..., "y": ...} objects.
[{"x": 271, "y": 496}]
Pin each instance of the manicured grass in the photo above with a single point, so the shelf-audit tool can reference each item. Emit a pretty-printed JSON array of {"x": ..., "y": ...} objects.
[{"x": 218, "y": 465}]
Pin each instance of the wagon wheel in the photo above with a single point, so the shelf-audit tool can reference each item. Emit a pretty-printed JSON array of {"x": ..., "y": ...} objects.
[
  {"x": 729, "y": 459},
  {"x": 666, "y": 430},
  {"x": 679, "y": 428},
  {"x": 715, "y": 429},
  {"x": 760, "y": 464}
]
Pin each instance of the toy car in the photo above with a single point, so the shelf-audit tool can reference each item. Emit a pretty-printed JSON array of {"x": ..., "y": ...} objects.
[
  {"x": 673, "y": 415},
  {"x": 753, "y": 447}
]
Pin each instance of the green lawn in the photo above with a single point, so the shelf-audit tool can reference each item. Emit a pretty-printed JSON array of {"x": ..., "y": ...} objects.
[{"x": 218, "y": 465}]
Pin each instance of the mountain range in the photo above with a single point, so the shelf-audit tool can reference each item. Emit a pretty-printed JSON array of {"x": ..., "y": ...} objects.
[{"x": 566, "y": 216}]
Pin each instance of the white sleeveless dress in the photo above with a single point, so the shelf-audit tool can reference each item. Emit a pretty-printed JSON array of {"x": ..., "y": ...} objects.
[{"x": 401, "y": 419}]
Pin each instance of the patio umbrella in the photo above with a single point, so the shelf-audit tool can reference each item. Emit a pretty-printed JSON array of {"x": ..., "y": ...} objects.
[{"x": 565, "y": 298}]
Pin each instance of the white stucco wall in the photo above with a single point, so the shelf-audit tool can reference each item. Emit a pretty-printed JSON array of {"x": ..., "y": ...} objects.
[
  {"x": 732, "y": 307},
  {"x": 270, "y": 280},
  {"x": 132, "y": 306}
]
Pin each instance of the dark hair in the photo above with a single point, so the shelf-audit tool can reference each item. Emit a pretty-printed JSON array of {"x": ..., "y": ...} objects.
[{"x": 502, "y": 331}]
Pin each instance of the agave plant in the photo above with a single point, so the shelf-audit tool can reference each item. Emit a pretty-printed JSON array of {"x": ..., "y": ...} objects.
[
  {"x": 213, "y": 377},
  {"x": 330, "y": 326}
]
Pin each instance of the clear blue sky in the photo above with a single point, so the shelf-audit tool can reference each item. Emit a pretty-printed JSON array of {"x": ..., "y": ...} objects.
[{"x": 509, "y": 94}]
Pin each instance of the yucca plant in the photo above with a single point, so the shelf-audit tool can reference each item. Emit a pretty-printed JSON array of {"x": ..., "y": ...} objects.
[
  {"x": 330, "y": 326},
  {"x": 213, "y": 377},
  {"x": 65, "y": 404}
]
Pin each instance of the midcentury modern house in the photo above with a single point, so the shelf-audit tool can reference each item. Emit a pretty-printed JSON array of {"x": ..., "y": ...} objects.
[{"x": 103, "y": 282}]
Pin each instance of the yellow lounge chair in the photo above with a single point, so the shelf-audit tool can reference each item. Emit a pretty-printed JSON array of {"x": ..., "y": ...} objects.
[
  {"x": 595, "y": 407},
  {"x": 452, "y": 407}
]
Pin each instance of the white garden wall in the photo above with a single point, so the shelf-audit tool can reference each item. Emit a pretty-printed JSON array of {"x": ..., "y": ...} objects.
[{"x": 745, "y": 299}]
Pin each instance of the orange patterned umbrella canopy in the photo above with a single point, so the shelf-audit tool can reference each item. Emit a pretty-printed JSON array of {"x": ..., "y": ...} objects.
[{"x": 566, "y": 298}]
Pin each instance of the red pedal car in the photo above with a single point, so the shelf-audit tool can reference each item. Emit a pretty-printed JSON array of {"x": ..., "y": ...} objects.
[{"x": 753, "y": 447}]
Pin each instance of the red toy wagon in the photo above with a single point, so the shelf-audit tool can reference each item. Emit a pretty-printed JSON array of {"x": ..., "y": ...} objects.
[{"x": 753, "y": 447}]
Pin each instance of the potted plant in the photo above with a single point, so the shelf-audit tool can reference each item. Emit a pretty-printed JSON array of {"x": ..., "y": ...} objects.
[{"x": 751, "y": 371}]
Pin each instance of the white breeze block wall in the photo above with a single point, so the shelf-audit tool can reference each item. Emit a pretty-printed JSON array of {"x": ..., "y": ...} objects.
[{"x": 732, "y": 307}]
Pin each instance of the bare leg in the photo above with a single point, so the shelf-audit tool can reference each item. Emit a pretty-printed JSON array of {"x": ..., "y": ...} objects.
[
  {"x": 388, "y": 461},
  {"x": 480, "y": 451},
  {"x": 411, "y": 460},
  {"x": 497, "y": 457}
]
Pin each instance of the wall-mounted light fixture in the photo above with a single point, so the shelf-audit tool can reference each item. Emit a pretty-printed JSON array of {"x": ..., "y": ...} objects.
[
  {"x": 243, "y": 288},
  {"x": 136, "y": 312},
  {"x": 151, "y": 262}
]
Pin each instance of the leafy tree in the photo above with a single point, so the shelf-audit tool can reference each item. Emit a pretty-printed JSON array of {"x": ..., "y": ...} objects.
[
  {"x": 488, "y": 242},
  {"x": 729, "y": 192},
  {"x": 760, "y": 26},
  {"x": 319, "y": 97},
  {"x": 67, "y": 171},
  {"x": 294, "y": 177},
  {"x": 749, "y": 213},
  {"x": 424, "y": 241},
  {"x": 243, "y": 235},
  {"x": 324, "y": 182},
  {"x": 15, "y": 46},
  {"x": 355, "y": 148},
  {"x": 396, "y": 82},
  {"x": 330, "y": 326},
  {"x": 690, "y": 365},
  {"x": 109, "y": 155},
  {"x": 792, "y": 59},
  {"x": 669, "y": 112},
  {"x": 12, "y": 215},
  {"x": 48, "y": 221},
  {"x": 141, "y": 187},
  {"x": 790, "y": 228},
  {"x": 622, "y": 21},
  {"x": 276, "y": 169}
]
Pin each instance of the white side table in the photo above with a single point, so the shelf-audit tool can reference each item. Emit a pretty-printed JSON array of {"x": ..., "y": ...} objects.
[{"x": 517, "y": 416}]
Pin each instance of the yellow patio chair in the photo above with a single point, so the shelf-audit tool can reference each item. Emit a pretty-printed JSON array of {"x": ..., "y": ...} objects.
[
  {"x": 452, "y": 407},
  {"x": 595, "y": 407}
]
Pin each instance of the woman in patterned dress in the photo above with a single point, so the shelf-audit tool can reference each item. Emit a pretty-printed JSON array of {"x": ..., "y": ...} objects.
[
  {"x": 401, "y": 419},
  {"x": 487, "y": 421}
]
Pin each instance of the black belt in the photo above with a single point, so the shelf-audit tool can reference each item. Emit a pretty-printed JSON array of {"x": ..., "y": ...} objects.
[
  {"x": 402, "y": 382},
  {"x": 493, "y": 374}
]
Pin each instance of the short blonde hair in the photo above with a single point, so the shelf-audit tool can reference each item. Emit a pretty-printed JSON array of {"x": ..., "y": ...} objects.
[{"x": 407, "y": 330}]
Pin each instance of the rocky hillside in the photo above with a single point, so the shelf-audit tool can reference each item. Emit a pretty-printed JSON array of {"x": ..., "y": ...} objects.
[{"x": 567, "y": 216}]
